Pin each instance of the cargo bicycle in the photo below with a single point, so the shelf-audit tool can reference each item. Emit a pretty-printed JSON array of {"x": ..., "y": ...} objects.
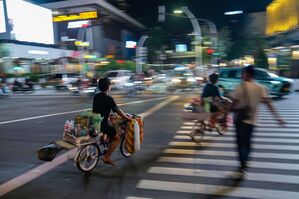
[
  {"x": 200, "y": 119},
  {"x": 89, "y": 153}
]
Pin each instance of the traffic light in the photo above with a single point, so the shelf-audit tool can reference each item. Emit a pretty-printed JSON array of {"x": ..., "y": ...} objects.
[{"x": 210, "y": 51}]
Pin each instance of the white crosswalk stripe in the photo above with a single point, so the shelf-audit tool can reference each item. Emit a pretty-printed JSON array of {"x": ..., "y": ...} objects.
[
  {"x": 231, "y": 153},
  {"x": 273, "y": 140},
  {"x": 216, "y": 190},
  {"x": 223, "y": 174},
  {"x": 233, "y": 145},
  {"x": 273, "y": 171}
]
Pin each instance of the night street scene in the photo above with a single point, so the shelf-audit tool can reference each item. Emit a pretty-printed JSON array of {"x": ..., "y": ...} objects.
[{"x": 149, "y": 99}]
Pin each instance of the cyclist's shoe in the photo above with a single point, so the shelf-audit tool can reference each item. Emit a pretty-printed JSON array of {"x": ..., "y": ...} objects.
[{"x": 108, "y": 161}]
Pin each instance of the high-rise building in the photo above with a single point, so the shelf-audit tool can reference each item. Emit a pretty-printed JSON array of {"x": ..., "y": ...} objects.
[
  {"x": 120, "y": 4},
  {"x": 282, "y": 15}
]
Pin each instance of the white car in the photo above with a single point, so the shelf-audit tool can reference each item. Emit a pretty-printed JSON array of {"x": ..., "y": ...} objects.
[{"x": 119, "y": 78}]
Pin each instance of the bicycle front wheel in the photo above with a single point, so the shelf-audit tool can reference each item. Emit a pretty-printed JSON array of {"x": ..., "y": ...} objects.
[
  {"x": 197, "y": 132},
  {"x": 88, "y": 157}
]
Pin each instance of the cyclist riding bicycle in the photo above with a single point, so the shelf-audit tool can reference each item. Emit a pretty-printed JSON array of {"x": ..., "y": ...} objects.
[
  {"x": 103, "y": 104},
  {"x": 212, "y": 100}
]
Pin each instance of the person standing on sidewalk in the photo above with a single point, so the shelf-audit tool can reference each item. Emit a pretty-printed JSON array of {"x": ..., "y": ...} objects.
[{"x": 246, "y": 99}]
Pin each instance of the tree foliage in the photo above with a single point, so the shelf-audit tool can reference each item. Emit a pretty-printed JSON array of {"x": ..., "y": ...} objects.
[{"x": 158, "y": 39}]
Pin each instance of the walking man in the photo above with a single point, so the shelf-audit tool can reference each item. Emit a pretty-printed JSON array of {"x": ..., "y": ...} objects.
[{"x": 246, "y": 98}]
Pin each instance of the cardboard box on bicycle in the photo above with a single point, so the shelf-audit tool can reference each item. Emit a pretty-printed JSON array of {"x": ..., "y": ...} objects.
[{"x": 77, "y": 141}]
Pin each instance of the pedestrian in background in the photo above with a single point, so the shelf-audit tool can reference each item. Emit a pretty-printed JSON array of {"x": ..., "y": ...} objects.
[{"x": 246, "y": 98}]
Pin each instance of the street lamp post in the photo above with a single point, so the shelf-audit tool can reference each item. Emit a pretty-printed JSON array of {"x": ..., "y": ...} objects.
[
  {"x": 212, "y": 27},
  {"x": 198, "y": 37},
  {"x": 139, "y": 47}
]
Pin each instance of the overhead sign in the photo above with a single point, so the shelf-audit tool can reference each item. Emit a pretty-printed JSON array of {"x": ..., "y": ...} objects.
[
  {"x": 78, "y": 24},
  {"x": 78, "y": 16},
  {"x": 29, "y": 22},
  {"x": 131, "y": 44}
]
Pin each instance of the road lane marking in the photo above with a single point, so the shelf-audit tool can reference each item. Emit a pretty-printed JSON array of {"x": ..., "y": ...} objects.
[
  {"x": 224, "y": 174},
  {"x": 76, "y": 111},
  {"x": 159, "y": 106},
  {"x": 46, "y": 167},
  {"x": 231, "y": 154},
  {"x": 215, "y": 189},
  {"x": 234, "y": 163}
]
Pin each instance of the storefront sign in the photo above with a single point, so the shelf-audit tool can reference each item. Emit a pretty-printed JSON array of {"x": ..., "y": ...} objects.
[
  {"x": 131, "y": 44},
  {"x": 78, "y": 16},
  {"x": 78, "y": 24}
]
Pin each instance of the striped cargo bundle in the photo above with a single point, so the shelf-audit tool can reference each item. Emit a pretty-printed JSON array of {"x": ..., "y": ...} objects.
[{"x": 130, "y": 143}]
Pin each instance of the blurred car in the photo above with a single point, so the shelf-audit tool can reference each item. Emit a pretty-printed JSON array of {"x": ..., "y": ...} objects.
[
  {"x": 61, "y": 81},
  {"x": 183, "y": 77},
  {"x": 119, "y": 78},
  {"x": 276, "y": 85}
]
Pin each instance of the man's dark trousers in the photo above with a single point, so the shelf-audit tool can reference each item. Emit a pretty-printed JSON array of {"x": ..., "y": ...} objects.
[{"x": 244, "y": 134}]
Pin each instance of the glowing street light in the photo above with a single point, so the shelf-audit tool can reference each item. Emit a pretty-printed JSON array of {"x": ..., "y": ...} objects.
[
  {"x": 236, "y": 12},
  {"x": 177, "y": 12}
]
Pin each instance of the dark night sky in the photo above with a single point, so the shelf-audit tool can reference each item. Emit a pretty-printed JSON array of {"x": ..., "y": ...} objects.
[{"x": 146, "y": 11}]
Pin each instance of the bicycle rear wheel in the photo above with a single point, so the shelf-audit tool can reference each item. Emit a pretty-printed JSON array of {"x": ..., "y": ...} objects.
[
  {"x": 88, "y": 157},
  {"x": 197, "y": 132},
  {"x": 123, "y": 149}
]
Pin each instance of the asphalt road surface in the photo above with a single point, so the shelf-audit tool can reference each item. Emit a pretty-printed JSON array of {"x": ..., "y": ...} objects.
[{"x": 169, "y": 165}]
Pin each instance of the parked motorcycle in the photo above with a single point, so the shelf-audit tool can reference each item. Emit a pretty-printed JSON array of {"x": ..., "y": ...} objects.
[{"x": 20, "y": 87}]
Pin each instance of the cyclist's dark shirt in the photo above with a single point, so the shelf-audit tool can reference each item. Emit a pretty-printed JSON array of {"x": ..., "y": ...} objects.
[
  {"x": 103, "y": 104},
  {"x": 210, "y": 90}
]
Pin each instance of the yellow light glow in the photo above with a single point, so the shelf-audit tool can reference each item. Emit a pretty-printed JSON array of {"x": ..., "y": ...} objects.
[
  {"x": 110, "y": 56},
  {"x": 282, "y": 15},
  {"x": 249, "y": 60},
  {"x": 272, "y": 61},
  {"x": 295, "y": 55},
  {"x": 79, "y": 16},
  {"x": 81, "y": 43}
]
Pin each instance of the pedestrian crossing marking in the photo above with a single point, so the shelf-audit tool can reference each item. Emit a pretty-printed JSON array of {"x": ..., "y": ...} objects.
[
  {"x": 258, "y": 129},
  {"x": 233, "y": 145},
  {"x": 216, "y": 190},
  {"x": 224, "y": 174},
  {"x": 224, "y": 138},
  {"x": 253, "y": 164},
  {"x": 256, "y": 134},
  {"x": 231, "y": 153},
  {"x": 268, "y": 136}
]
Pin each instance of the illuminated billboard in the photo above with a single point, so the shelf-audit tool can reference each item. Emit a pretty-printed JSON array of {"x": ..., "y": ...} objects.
[
  {"x": 131, "y": 44},
  {"x": 2, "y": 18},
  {"x": 181, "y": 48},
  {"x": 78, "y": 16},
  {"x": 29, "y": 22}
]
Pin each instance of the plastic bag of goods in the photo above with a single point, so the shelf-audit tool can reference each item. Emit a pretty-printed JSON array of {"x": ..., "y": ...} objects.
[{"x": 48, "y": 152}]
